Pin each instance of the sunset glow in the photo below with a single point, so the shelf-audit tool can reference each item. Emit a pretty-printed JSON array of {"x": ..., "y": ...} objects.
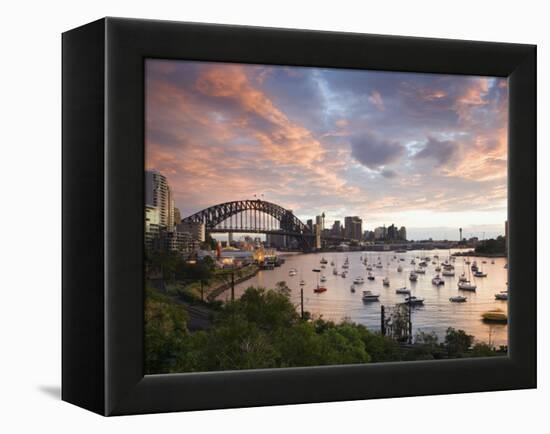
[{"x": 426, "y": 151}]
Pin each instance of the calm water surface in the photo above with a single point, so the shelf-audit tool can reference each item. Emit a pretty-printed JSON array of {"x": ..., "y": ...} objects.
[{"x": 436, "y": 315}]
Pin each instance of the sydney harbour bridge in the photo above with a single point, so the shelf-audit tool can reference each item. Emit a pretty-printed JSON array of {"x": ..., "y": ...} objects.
[{"x": 257, "y": 216}]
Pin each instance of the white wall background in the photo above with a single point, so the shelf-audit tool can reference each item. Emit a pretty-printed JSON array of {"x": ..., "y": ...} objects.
[{"x": 30, "y": 99}]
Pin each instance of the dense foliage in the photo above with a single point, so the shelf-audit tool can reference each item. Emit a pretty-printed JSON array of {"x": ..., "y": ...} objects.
[
  {"x": 262, "y": 329},
  {"x": 492, "y": 247}
]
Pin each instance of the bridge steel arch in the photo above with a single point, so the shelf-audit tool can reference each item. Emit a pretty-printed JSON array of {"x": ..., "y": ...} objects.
[{"x": 216, "y": 214}]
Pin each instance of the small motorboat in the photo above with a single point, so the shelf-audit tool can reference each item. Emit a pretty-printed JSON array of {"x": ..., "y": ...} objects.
[
  {"x": 369, "y": 268},
  {"x": 502, "y": 295},
  {"x": 292, "y": 272},
  {"x": 505, "y": 265},
  {"x": 413, "y": 277},
  {"x": 319, "y": 289},
  {"x": 493, "y": 262},
  {"x": 379, "y": 265},
  {"x": 323, "y": 266},
  {"x": 458, "y": 299},
  {"x": 437, "y": 281},
  {"x": 332, "y": 263},
  {"x": 386, "y": 281},
  {"x": 369, "y": 296},
  {"x": 480, "y": 274},
  {"x": 420, "y": 271},
  {"x": 413, "y": 301},
  {"x": 352, "y": 288},
  {"x": 359, "y": 280},
  {"x": 399, "y": 269},
  {"x": 474, "y": 266},
  {"x": 438, "y": 268},
  {"x": 323, "y": 278},
  {"x": 463, "y": 278},
  {"x": 403, "y": 291},
  {"x": 448, "y": 273},
  {"x": 496, "y": 315},
  {"x": 466, "y": 286},
  {"x": 370, "y": 276},
  {"x": 335, "y": 271},
  {"x": 323, "y": 260}
]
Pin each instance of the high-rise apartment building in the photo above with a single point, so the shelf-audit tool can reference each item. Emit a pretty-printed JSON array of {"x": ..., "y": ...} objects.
[
  {"x": 158, "y": 194},
  {"x": 353, "y": 227}
]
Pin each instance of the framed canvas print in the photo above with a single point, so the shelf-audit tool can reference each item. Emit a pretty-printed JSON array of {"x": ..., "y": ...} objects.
[{"x": 264, "y": 216}]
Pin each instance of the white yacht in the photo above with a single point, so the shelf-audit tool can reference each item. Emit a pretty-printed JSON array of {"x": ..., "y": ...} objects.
[
  {"x": 502, "y": 295},
  {"x": 412, "y": 300},
  {"x": 403, "y": 290},
  {"x": 293, "y": 272},
  {"x": 466, "y": 286},
  {"x": 369, "y": 296},
  {"x": 438, "y": 280},
  {"x": 448, "y": 273},
  {"x": 458, "y": 299}
]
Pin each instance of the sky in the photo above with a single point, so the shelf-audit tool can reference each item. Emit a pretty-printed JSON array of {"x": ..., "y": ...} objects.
[{"x": 424, "y": 151}]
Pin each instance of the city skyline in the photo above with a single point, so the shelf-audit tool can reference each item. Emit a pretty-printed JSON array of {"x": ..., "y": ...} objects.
[{"x": 411, "y": 149}]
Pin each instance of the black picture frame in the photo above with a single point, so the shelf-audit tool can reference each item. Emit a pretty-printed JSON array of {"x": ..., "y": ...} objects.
[{"x": 103, "y": 170}]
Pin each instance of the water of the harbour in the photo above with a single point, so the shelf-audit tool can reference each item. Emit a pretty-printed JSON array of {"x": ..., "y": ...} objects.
[{"x": 437, "y": 313}]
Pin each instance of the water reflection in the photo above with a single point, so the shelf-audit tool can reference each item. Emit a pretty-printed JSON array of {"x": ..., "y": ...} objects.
[{"x": 437, "y": 314}]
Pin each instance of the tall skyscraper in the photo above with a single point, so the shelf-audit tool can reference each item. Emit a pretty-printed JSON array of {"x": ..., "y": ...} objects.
[
  {"x": 158, "y": 194},
  {"x": 336, "y": 228},
  {"x": 353, "y": 227},
  {"x": 392, "y": 232},
  {"x": 403, "y": 233}
]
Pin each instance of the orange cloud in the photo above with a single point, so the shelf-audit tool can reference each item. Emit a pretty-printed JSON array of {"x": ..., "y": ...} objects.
[{"x": 286, "y": 142}]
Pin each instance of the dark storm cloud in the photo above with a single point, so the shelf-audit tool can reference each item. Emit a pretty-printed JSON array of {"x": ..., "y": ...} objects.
[
  {"x": 441, "y": 151},
  {"x": 388, "y": 173},
  {"x": 373, "y": 152}
]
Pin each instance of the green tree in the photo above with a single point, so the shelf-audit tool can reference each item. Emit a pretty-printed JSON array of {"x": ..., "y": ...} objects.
[
  {"x": 457, "y": 342},
  {"x": 165, "y": 332},
  {"x": 482, "y": 349}
]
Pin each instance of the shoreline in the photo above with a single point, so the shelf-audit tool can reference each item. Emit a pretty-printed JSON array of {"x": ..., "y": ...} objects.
[
  {"x": 480, "y": 255},
  {"x": 219, "y": 290}
]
